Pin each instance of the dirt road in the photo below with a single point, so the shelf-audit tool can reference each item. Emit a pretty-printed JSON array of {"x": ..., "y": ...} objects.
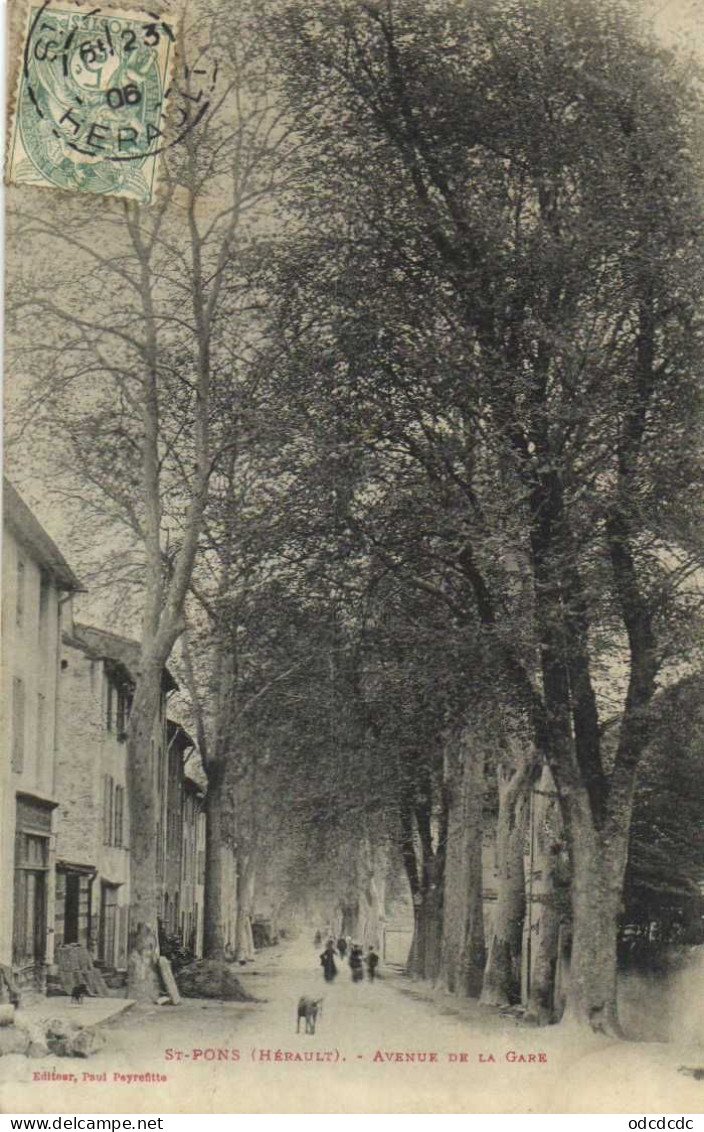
[{"x": 386, "y": 1047}]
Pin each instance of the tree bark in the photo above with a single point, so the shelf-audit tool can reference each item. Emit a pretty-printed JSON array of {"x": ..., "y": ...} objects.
[
  {"x": 544, "y": 914},
  {"x": 598, "y": 868},
  {"x": 425, "y": 954},
  {"x": 215, "y": 898},
  {"x": 502, "y": 974},
  {"x": 427, "y": 894},
  {"x": 143, "y": 768},
  {"x": 373, "y": 927},
  {"x": 246, "y": 876},
  {"x": 463, "y": 952},
  {"x": 350, "y": 920}
]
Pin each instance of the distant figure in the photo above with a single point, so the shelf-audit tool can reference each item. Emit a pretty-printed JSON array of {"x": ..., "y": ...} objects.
[
  {"x": 342, "y": 946},
  {"x": 327, "y": 960},
  {"x": 317, "y": 939},
  {"x": 357, "y": 963},
  {"x": 372, "y": 963}
]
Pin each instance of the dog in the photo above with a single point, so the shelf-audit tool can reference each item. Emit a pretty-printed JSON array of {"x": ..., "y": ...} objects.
[
  {"x": 309, "y": 1009},
  {"x": 78, "y": 993}
]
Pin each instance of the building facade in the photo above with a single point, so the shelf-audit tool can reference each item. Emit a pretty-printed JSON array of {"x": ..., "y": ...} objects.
[
  {"x": 67, "y": 691},
  {"x": 170, "y": 832},
  {"x": 37, "y": 588},
  {"x": 98, "y": 674}
]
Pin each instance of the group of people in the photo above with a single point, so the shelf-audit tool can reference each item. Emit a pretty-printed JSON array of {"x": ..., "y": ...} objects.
[{"x": 357, "y": 959}]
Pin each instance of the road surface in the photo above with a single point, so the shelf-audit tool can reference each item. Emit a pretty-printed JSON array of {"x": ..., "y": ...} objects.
[{"x": 384, "y": 1047}]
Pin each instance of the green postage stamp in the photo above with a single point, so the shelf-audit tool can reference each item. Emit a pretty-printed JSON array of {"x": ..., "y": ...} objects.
[{"x": 91, "y": 100}]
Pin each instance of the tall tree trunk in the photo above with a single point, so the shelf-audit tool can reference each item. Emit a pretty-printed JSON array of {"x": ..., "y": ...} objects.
[
  {"x": 350, "y": 920},
  {"x": 427, "y": 894},
  {"x": 246, "y": 876},
  {"x": 426, "y": 948},
  {"x": 462, "y": 952},
  {"x": 598, "y": 867},
  {"x": 502, "y": 974},
  {"x": 425, "y": 955},
  {"x": 374, "y": 924},
  {"x": 364, "y": 905},
  {"x": 216, "y": 898},
  {"x": 428, "y": 885},
  {"x": 145, "y": 795},
  {"x": 544, "y": 913}
]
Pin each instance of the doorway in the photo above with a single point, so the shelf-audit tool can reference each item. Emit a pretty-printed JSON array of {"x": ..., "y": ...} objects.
[
  {"x": 108, "y": 924},
  {"x": 72, "y": 906}
]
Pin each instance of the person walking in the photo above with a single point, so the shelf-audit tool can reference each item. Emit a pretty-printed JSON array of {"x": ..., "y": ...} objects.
[
  {"x": 372, "y": 963},
  {"x": 342, "y": 946},
  {"x": 356, "y": 963},
  {"x": 327, "y": 960}
]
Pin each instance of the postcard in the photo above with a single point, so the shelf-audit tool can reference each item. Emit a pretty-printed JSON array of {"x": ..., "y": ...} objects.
[{"x": 352, "y": 594}]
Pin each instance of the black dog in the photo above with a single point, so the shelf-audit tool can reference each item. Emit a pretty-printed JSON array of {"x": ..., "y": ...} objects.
[
  {"x": 78, "y": 993},
  {"x": 308, "y": 1010}
]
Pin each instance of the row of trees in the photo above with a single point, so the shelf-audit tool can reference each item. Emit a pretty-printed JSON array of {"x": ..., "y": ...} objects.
[{"x": 386, "y": 411}]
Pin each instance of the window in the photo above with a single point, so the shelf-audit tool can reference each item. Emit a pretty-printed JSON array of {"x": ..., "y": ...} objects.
[
  {"x": 31, "y": 851},
  {"x": 18, "y": 724},
  {"x": 41, "y": 732},
  {"x": 43, "y": 610},
  {"x": 108, "y": 796},
  {"x": 110, "y": 706},
  {"x": 20, "y": 590},
  {"x": 113, "y": 813},
  {"x": 119, "y": 811},
  {"x": 124, "y": 703}
]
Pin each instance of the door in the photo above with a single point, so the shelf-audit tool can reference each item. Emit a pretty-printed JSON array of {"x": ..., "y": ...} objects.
[
  {"x": 72, "y": 907},
  {"x": 30, "y": 911},
  {"x": 108, "y": 925}
]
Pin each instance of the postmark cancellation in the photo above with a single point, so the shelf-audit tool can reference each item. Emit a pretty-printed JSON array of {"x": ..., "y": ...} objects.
[{"x": 90, "y": 110}]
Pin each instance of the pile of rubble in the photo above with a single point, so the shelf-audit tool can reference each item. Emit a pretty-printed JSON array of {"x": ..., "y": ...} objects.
[
  {"x": 39, "y": 1039},
  {"x": 211, "y": 978}
]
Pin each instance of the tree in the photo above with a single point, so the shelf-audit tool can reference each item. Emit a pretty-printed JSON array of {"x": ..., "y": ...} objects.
[
  {"x": 662, "y": 898},
  {"x": 517, "y": 766},
  {"x": 143, "y": 349},
  {"x": 511, "y": 244}
]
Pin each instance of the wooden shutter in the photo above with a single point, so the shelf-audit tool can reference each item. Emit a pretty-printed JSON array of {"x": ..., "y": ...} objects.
[
  {"x": 123, "y": 926},
  {"x": 41, "y": 732},
  {"x": 18, "y": 724},
  {"x": 107, "y": 809},
  {"x": 119, "y": 809}
]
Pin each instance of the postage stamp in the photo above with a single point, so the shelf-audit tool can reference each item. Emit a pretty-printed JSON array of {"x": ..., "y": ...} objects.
[{"x": 91, "y": 102}]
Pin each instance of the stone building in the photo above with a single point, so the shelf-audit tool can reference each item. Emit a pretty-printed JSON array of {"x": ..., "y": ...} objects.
[
  {"x": 37, "y": 586},
  {"x": 98, "y": 673}
]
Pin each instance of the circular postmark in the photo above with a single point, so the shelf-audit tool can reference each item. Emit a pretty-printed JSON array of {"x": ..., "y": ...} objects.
[{"x": 91, "y": 110}]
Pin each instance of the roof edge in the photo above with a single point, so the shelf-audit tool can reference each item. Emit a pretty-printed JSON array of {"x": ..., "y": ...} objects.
[{"x": 29, "y": 531}]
